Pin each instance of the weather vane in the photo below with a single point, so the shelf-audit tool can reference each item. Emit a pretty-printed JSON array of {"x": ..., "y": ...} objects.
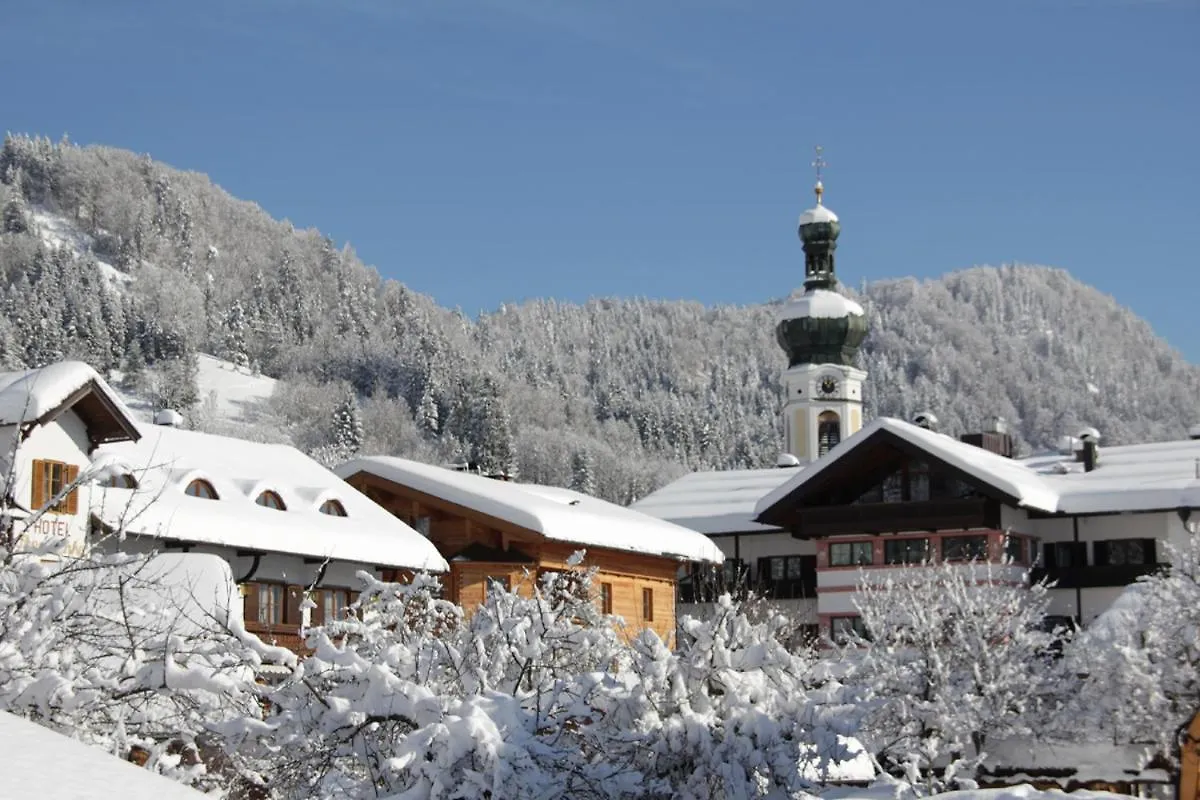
[{"x": 819, "y": 163}]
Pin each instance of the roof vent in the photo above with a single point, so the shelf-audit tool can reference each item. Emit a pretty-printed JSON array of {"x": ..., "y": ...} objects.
[
  {"x": 787, "y": 460},
  {"x": 926, "y": 419},
  {"x": 168, "y": 418},
  {"x": 1089, "y": 434},
  {"x": 1194, "y": 432},
  {"x": 996, "y": 424}
]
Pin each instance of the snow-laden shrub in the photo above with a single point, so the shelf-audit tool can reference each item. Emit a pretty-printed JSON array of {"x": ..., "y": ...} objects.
[
  {"x": 954, "y": 655},
  {"x": 541, "y": 696}
]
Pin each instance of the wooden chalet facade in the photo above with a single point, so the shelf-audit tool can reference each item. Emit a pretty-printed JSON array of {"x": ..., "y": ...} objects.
[{"x": 486, "y": 545}]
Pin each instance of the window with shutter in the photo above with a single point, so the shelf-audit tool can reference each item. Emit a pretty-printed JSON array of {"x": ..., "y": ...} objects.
[{"x": 49, "y": 479}]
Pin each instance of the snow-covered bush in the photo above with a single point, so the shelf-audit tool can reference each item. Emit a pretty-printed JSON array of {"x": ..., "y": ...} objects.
[
  {"x": 1140, "y": 660},
  {"x": 955, "y": 655},
  {"x": 536, "y": 694}
]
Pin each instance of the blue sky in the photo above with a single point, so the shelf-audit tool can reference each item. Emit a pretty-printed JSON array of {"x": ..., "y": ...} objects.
[{"x": 496, "y": 150}]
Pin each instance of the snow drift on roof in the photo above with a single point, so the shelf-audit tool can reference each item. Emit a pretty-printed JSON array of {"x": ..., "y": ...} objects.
[
  {"x": 45, "y": 765},
  {"x": 166, "y": 460},
  {"x": 558, "y": 514},
  {"x": 29, "y": 395},
  {"x": 716, "y": 502}
]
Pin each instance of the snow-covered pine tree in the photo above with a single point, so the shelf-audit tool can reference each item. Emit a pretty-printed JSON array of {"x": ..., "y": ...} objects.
[
  {"x": 347, "y": 424},
  {"x": 236, "y": 349}
]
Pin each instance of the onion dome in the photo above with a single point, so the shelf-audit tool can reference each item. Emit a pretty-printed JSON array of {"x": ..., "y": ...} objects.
[{"x": 818, "y": 325}]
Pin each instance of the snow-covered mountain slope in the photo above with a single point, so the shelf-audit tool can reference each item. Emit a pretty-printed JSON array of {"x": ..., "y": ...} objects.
[
  {"x": 58, "y": 231},
  {"x": 233, "y": 400}
]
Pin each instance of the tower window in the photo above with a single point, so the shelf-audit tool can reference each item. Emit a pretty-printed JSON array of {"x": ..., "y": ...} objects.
[{"x": 829, "y": 432}]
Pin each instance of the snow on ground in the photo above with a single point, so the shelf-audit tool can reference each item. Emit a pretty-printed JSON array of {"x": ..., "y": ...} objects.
[
  {"x": 41, "y": 764},
  {"x": 239, "y": 394},
  {"x": 57, "y": 231},
  {"x": 228, "y": 394}
]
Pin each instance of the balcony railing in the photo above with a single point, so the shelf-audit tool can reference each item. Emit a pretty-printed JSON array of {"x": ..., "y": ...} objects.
[
  {"x": 894, "y": 517},
  {"x": 1093, "y": 576}
]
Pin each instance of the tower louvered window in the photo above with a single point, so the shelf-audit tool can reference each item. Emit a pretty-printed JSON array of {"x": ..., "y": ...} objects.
[{"x": 829, "y": 432}]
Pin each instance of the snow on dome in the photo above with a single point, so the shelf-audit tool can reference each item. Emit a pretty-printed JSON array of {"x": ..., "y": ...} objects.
[
  {"x": 819, "y": 304},
  {"x": 558, "y": 514},
  {"x": 817, "y": 213}
]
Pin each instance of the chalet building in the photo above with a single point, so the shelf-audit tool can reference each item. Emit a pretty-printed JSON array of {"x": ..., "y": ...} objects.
[
  {"x": 848, "y": 501},
  {"x": 501, "y": 533},
  {"x": 285, "y": 523},
  {"x": 52, "y": 420},
  {"x": 896, "y": 493}
]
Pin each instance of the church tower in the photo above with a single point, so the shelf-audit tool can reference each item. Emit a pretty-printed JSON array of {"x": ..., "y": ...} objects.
[{"x": 820, "y": 330}]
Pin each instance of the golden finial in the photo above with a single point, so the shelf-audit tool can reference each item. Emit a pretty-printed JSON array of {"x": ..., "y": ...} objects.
[{"x": 819, "y": 163}]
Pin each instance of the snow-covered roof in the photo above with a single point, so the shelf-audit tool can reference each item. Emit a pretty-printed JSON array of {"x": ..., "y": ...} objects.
[
  {"x": 1143, "y": 477},
  {"x": 1086, "y": 761},
  {"x": 817, "y": 213},
  {"x": 32, "y": 395},
  {"x": 819, "y": 304},
  {"x": 167, "y": 459},
  {"x": 716, "y": 502},
  {"x": 558, "y": 514},
  {"x": 45, "y": 765}
]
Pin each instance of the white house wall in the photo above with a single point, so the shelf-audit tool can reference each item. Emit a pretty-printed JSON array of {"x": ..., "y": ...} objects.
[{"x": 64, "y": 439}]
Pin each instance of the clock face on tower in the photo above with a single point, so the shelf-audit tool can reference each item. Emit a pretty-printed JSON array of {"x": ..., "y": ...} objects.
[{"x": 828, "y": 385}]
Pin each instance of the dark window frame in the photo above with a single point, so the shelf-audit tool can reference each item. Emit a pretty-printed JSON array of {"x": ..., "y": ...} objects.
[
  {"x": 906, "y": 542},
  {"x": 854, "y": 551},
  {"x": 970, "y": 547}
]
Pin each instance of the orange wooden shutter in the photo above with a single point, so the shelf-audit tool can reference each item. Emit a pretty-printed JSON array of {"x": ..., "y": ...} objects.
[
  {"x": 72, "y": 501},
  {"x": 292, "y": 595},
  {"x": 250, "y": 602},
  {"x": 38, "y": 481}
]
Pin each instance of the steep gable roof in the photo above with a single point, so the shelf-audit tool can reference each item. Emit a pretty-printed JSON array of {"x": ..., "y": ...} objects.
[
  {"x": 1129, "y": 478},
  {"x": 558, "y": 514},
  {"x": 1010, "y": 479},
  {"x": 38, "y": 396}
]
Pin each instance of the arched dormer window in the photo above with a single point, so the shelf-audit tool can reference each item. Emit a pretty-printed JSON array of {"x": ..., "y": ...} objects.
[
  {"x": 829, "y": 431},
  {"x": 270, "y": 499},
  {"x": 123, "y": 481},
  {"x": 202, "y": 489},
  {"x": 333, "y": 508}
]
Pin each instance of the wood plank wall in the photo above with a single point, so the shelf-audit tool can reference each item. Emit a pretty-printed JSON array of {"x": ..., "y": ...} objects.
[{"x": 453, "y": 527}]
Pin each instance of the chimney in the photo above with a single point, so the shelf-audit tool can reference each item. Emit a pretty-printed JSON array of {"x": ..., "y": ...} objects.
[
  {"x": 1194, "y": 432},
  {"x": 925, "y": 419},
  {"x": 1089, "y": 448},
  {"x": 994, "y": 438},
  {"x": 169, "y": 418}
]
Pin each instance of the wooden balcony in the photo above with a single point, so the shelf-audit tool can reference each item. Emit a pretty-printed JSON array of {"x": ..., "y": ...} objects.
[
  {"x": 279, "y": 635},
  {"x": 1094, "y": 576},
  {"x": 933, "y": 515}
]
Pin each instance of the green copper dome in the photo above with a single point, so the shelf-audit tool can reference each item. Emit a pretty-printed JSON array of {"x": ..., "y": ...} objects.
[{"x": 818, "y": 325}]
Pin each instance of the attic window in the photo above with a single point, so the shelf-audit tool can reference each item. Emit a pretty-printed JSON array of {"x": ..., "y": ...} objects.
[
  {"x": 202, "y": 489},
  {"x": 333, "y": 508},
  {"x": 269, "y": 499},
  {"x": 123, "y": 481}
]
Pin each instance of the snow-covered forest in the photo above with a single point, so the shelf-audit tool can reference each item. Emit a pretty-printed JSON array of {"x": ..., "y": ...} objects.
[{"x": 614, "y": 396}]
